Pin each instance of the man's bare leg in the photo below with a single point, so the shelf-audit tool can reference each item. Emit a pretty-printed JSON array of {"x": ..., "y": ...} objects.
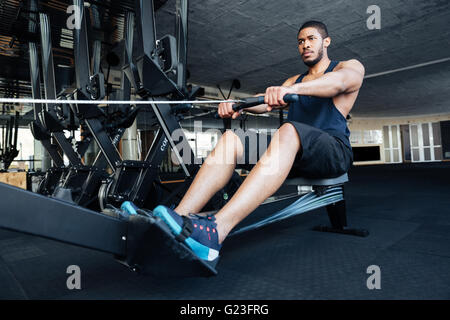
[
  {"x": 214, "y": 174},
  {"x": 265, "y": 178}
]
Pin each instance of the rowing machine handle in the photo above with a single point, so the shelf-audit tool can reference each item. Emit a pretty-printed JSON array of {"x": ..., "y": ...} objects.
[{"x": 254, "y": 101}]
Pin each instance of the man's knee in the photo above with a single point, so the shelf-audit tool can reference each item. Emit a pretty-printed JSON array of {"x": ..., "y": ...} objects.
[
  {"x": 232, "y": 142},
  {"x": 287, "y": 134}
]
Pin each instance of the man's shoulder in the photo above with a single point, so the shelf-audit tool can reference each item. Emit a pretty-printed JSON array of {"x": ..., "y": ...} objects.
[
  {"x": 291, "y": 80},
  {"x": 352, "y": 63}
]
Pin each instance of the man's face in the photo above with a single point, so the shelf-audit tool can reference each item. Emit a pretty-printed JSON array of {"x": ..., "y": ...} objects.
[{"x": 311, "y": 45}]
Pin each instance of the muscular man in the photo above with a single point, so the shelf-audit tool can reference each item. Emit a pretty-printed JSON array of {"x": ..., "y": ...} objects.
[{"x": 314, "y": 142}]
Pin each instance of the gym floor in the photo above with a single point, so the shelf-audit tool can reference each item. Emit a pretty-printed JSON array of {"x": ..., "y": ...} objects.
[{"x": 405, "y": 208}]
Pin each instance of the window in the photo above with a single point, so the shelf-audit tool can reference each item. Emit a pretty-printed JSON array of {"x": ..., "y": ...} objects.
[
  {"x": 366, "y": 137},
  {"x": 425, "y": 142},
  {"x": 392, "y": 144}
]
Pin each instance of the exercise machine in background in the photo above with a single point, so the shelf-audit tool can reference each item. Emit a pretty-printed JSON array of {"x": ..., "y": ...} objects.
[{"x": 8, "y": 141}]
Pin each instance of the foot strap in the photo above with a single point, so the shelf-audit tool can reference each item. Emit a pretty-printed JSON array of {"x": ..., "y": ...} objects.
[{"x": 186, "y": 229}]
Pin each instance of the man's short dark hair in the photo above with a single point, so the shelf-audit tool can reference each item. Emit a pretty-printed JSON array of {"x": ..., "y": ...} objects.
[{"x": 319, "y": 26}]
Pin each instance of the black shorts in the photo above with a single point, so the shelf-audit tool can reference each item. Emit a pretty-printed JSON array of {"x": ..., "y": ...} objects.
[{"x": 321, "y": 156}]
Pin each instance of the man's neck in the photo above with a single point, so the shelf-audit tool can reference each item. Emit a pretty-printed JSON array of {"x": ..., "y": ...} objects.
[{"x": 320, "y": 66}]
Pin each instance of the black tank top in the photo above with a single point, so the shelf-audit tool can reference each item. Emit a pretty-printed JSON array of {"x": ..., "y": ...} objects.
[{"x": 320, "y": 113}]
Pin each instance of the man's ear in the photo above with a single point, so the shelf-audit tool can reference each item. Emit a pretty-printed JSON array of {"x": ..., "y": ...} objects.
[{"x": 327, "y": 42}]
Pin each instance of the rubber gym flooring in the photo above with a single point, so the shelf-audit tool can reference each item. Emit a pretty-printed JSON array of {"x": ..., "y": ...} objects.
[{"x": 406, "y": 208}]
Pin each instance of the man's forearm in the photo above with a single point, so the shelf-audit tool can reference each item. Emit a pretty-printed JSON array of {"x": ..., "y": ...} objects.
[
  {"x": 327, "y": 86},
  {"x": 261, "y": 108}
]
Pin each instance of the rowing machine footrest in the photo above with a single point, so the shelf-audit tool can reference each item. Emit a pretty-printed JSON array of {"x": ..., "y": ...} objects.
[{"x": 152, "y": 249}]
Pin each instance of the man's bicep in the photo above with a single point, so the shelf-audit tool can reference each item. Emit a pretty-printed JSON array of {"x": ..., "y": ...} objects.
[
  {"x": 353, "y": 73},
  {"x": 355, "y": 65}
]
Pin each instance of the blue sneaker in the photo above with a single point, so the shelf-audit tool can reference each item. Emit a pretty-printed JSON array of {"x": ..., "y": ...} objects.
[{"x": 198, "y": 233}]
